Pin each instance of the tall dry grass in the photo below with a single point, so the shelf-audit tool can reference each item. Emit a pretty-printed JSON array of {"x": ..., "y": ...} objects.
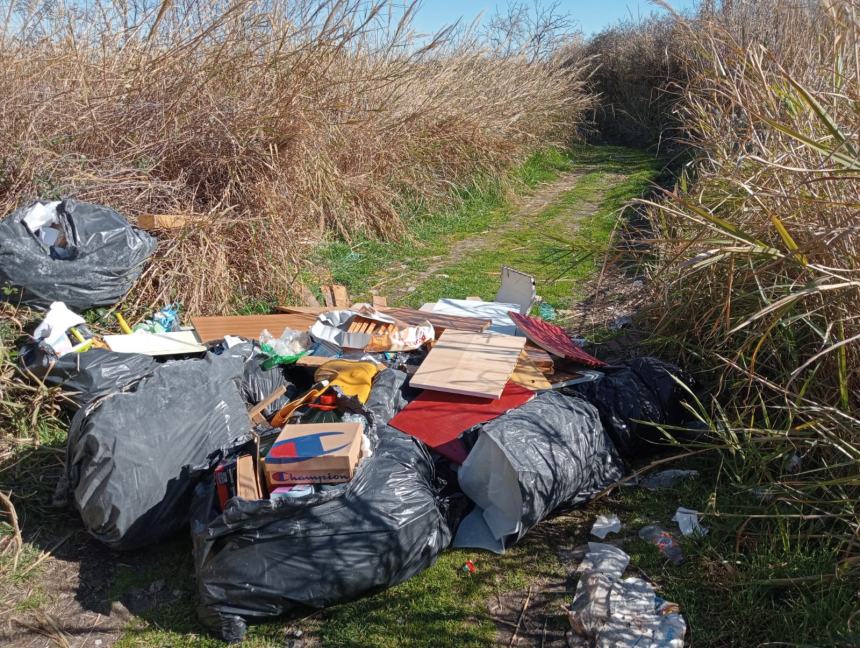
[
  {"x": 269, "y": 123},
  {"x": 758, "y": 270}
]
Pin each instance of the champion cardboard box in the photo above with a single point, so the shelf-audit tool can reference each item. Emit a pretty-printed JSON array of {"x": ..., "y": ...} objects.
[{"x": 314, "y": 453}]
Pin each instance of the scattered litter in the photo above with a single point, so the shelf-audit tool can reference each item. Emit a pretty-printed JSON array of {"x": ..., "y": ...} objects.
[
  {"x": 604, "y": 525},
  {"x": 366, "y": 329},
  {"x": 54, "y": 329},
  {"x": 546, "y": 312},
  {"x": 621, "y": 322},
  {"x": 664, "y": 478},
  {"x": 610, "y": 612},
  {"x": 469, "y": 567},
  {"x": 664, "y": 541},
  {"x": 688, "y": 522},
  {"x": 165, "y": 320}
]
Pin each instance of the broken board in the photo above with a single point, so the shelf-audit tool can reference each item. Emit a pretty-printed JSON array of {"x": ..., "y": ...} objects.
[
  {"x": 409, "y": 316},
  {"x": 162, "y": 221},
  {"x": 471, "y": 364},
  {"x": 249, "y": 326},
  {"x": 541, "y": 359}
]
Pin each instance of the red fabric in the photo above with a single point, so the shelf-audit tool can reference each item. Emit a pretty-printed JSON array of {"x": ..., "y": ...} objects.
[
  {"x": 552, "y": 338},
  {"x": 438, "y": 418}
]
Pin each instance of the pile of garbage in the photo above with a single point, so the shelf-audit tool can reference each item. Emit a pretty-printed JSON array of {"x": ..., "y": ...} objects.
[{"x": 319, "y": 453}]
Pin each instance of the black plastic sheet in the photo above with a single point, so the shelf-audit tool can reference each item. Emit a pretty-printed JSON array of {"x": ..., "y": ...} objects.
[
  {"x": 102, "y": 256},
  {"x": 134, "y": 457},
  {"x": 634, "y": 398}
]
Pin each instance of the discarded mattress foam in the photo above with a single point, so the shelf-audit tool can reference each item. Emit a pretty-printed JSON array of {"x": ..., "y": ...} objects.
[
  {"x": 551, "y": 451},
  {"x": 133, "y": 458},
  {"x": 439, "y": 418},
  {"x": 635, "y": 398},
  {"x": 260, "y": 559},
  {"x": 497, "y": 312},
  {"x": 86, "y": 376},
  {"x": 82, "y": 254}
]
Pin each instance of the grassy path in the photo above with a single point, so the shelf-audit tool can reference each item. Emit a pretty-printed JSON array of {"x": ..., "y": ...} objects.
[{"x": 572, "y": 204}]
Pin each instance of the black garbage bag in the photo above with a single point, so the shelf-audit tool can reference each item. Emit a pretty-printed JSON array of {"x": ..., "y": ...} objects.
[
  {"x": 528, "y": 462},
  {"x": 86, "y": 376},
  {"x": 134, "y": 457},
  {"x": 259, "y": 383},
  {"x": 634, "y": 398},
  {"x": 261, "y": 559},
  {"x": 92, "y": 257}
]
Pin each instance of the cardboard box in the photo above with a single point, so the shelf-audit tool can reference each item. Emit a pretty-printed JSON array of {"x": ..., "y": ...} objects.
[
  {"x": 247, "y": 483},
  {"x": 314, "y": 453}
]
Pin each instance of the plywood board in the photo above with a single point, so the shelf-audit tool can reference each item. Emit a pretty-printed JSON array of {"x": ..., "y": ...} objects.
[
  {"x": 249, "y": 326},
  {"x": 528, "y": 375},
  {"x": 155, "y": 344},
  {"x": 335, "y": 295},
  {"x": 541, "y": 359},
  {"x": 472, "y": 364}
]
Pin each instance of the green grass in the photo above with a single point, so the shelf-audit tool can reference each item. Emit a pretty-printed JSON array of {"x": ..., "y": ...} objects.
[{"x": 582, "y": 219}]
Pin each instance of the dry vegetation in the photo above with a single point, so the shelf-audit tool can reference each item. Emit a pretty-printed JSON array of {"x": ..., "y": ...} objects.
[
  {"x": 272, "y": 123},
  {"x": 756, "y": 274}
]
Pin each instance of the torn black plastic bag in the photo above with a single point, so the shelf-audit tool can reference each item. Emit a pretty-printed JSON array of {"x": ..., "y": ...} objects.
[
  {"x": 86, "y": 376},
  {"x": 133, "y": 457},
  {"x": 92, "y": 258},
  {"x": 259, "y": 383},
  {"x": 633, "y": 397},
  {"x": 528, "y": 462},
  {"x": 262, "y": 559}
]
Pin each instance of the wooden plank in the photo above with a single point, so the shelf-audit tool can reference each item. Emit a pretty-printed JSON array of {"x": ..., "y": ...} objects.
[
  {"x": 528, "y": 375},
  {"x": 256, "y": 412},
  {"x": 335, "y": 296},
  {"x": 162, "y": 221},
  {"x": 308, "y": 310},
  {"x": 541, "y": 359},
  {"x": 416, "y": 317},
  {"x": 378, "y": 301},
  {"x": 249, "y": 326},
  {"x": 307, "y": 296},
  {"x": 472, "y": 364},
  {"x": 312, "y": 361}
]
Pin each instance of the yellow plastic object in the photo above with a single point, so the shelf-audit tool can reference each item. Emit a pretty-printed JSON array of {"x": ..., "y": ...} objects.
[
  {"x": 353, "y": 377},
  {"x": 123, "y": 325}
]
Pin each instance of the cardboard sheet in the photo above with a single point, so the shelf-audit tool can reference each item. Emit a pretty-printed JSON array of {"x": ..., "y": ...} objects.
[
  {"x": 249, "y": 326},
  {"x": 554, "y": 339},
  {"x": 472, "y": 364},
  {"x": 155, "y": 344},
  {"x": 437, "y": 418}
]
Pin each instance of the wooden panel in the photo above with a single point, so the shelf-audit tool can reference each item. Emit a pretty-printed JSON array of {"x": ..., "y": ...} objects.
[
  {"x": 249, "y": 326},
  {"x": 378, "y": 301},
  {"x": 472, "y": 364},
  {"x": 415, "y": 317},
  {"x": 308, "y": 310},
  {"x": 528, "y": 375},
  {"x": 541, "y": 359}
]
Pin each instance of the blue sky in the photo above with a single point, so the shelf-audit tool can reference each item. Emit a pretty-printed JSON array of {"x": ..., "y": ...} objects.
[{"x": 591, "y": 15}]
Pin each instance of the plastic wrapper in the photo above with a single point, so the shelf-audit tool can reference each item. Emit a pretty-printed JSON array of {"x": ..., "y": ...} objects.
[
  {"x": 526, "y": 463},
  {"x": 82, "y": 254},
  {"x": 634, "y": 398},
  {"x": 134, "y": 457}
]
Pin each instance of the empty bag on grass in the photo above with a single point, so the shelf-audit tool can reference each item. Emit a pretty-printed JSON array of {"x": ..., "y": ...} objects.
[
  {"x": 634, "y": 398},
  {"x": 529, "y": 461},
  {"x": 260, "y": 559},
  {"x": 134, "y": 457},
  {"x": 79, "y": 253}
]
